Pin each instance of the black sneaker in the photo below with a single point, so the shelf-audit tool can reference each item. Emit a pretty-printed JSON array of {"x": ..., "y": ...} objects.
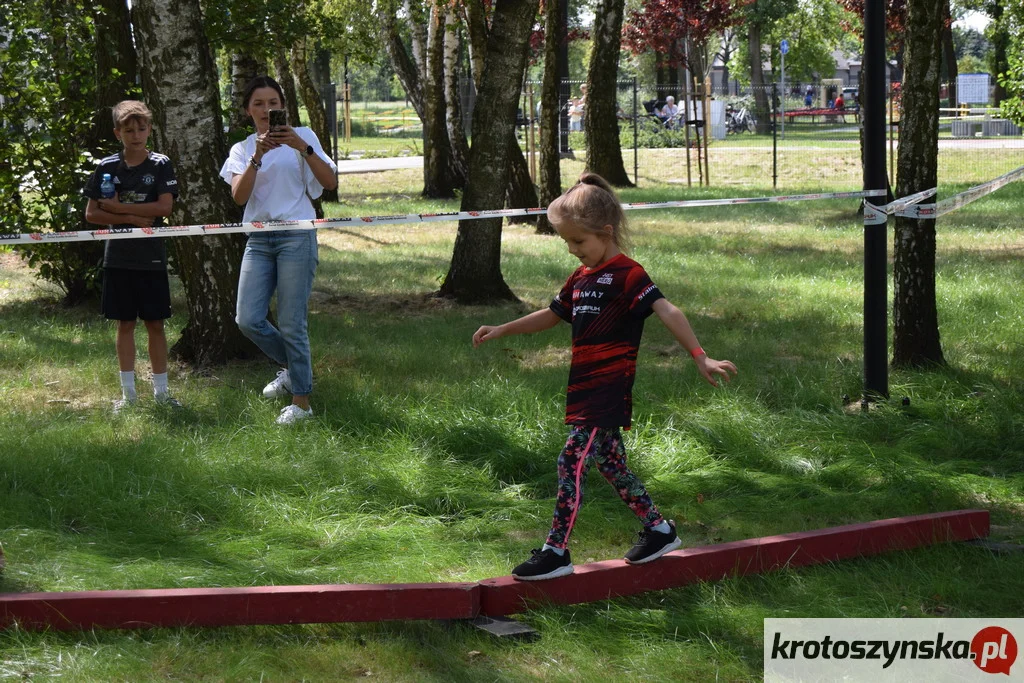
[
  {"x": 543, "y": 564},
  {"x": 653, "y": 544}
]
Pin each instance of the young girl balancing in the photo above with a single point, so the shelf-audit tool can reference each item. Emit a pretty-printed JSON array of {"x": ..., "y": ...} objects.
[{"x": 606, "y": 301}]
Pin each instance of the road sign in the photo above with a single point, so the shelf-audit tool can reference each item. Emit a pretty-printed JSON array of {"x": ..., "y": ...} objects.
[{"x": 784, "y": 46}]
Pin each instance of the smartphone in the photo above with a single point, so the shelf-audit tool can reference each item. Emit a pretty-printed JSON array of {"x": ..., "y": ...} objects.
[{"x": 278, "y": 118}]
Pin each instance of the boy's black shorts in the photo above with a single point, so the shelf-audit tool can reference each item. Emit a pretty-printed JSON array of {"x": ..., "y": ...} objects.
[{"x": 132, "y": 294}]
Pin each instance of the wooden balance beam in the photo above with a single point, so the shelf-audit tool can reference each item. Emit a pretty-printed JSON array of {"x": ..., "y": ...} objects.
[{"x": 134, "y": 609}]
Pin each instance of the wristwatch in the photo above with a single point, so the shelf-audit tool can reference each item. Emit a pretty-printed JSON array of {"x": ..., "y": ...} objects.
[
  {"x": 255, "y": 164},
  {"x": 308, "y": 151}
]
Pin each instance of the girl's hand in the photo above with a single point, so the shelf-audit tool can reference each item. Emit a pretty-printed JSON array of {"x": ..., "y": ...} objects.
[
  {"x": 286, "y": 135},
  {"x": 486, "y": 333},
  {"x": 112, "y": 205},
  {"x": 709, "y": 367}
]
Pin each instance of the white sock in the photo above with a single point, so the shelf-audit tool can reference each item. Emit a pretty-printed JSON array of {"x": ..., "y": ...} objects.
[
  {"x": 662, "y": 528},
  {"x": 159, "y": 384},
  {"x": 557, "y": 551},
  {"x": 128, "y": 385}
]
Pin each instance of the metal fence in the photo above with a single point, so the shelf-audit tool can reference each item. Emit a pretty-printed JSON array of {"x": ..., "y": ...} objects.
[{"x": 766, "y": 139}]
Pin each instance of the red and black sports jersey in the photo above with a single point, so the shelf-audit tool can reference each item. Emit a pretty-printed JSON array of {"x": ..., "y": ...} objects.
[{"x": 606, "y": 307}]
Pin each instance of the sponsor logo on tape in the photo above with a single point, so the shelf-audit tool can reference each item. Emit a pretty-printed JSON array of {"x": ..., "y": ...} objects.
[
  {"x": 15, "y": 236},
  {"x": 257, "y": 225},
  {"x": 36, "y": 236},
  {"x": 440, "y": 215}
]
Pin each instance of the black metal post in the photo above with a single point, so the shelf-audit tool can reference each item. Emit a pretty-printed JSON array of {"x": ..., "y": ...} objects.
[
  {"x": 563, "y": 78},
  {"x": 876, "y": 319},
  {"x": 636, "y": 118},
  {"x": 775, "y": 138}
]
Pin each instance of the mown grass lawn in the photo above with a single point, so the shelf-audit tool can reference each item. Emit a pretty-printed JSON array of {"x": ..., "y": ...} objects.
[{"x": 429, "y": 461}]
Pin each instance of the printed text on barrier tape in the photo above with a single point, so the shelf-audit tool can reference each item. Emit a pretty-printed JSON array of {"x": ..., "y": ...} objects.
[
  {"x": 932, "y": 211},
  {"x": 229, "y": 228}
]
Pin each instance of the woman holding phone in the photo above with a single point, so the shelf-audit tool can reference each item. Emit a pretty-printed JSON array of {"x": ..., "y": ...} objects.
[{"x": 276, "y": 173}]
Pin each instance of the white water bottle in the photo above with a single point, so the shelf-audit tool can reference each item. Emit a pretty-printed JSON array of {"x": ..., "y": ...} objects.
[{"x": 107, "y": 187}]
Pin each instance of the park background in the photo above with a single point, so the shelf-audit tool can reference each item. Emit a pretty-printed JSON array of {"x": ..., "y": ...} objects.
[{"x": 429, "y": 461}]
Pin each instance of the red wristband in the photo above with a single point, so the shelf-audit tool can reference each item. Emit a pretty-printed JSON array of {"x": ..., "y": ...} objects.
[{"x": 697, "y": 352}]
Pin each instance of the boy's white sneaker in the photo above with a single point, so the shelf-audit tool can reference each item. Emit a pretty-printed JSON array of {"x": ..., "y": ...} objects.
[
  {"x": 291, "y": 414},
  {"x": 279, "y": 386},
  {"x": 123, "y": 404}
]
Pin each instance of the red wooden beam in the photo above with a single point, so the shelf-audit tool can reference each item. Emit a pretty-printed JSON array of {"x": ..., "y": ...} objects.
[
  {"x": 615, "y": 578},
  {"x": 239, "y": 606},
  {"x": 491, "y": 597}
]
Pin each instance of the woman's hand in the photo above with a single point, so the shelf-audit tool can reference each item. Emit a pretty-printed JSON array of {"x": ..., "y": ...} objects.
[
  {"x": 264, "y": 143},
  {"x": 286, "y": 136}
]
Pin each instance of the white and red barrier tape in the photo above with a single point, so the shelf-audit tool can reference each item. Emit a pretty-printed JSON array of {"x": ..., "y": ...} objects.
[
  {"x": 227, "y": 228},
  {"x": 932, "y": 211}
]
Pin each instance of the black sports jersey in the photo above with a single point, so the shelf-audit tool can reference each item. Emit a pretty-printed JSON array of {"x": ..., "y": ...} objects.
[
  {"x": 606, "y": 307},
  {"x": 135, "y": 185}
]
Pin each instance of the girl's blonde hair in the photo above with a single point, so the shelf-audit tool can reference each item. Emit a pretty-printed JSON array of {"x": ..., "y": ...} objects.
[{"x": 591, "y": 204}]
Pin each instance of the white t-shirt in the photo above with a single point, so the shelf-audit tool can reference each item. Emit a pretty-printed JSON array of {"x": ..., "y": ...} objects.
[{"x": 278, "y": 193}]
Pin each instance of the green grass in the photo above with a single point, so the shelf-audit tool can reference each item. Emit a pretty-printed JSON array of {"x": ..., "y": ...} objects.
[{"x": 429, "y": 461}]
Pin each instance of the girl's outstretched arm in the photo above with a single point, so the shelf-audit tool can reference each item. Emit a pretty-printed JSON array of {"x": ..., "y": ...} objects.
[
  {"x": 680, "y": 328},
  {"x": 543, "y": 319}
]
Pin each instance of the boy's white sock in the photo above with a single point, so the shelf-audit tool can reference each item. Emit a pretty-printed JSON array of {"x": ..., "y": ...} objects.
[
  {"x": 128, "y": 386},
  {"x": 159, "y": 384},
  {"x": 662, "y": 528},
  {"x": 558, "y": 551}
]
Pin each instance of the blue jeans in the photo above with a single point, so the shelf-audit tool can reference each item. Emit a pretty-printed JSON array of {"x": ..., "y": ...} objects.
[{"x": 284, "y": 260}]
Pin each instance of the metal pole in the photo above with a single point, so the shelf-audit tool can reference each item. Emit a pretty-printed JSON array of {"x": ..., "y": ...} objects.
[
  {"x": 783, "y": 101},
  {"x": 775, "y": 138},
  {"x": 876, "y": 341},
  {"x": 563, "y": 78},
  {"x": 636, "y": 116}
]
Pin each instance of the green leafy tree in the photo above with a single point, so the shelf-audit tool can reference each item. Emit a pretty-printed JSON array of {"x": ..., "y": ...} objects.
[{"x": 48, "y": 79}]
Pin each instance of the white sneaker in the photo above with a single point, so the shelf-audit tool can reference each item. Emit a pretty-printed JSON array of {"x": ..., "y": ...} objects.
[
  {"x": 280, "y": 386},
  {"x": 292, "y": 413},
  {"x": 123, "y": 404}
]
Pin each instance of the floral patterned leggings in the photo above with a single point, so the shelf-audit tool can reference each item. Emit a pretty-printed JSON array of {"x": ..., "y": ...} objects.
[{"x": 604, "y": 446}]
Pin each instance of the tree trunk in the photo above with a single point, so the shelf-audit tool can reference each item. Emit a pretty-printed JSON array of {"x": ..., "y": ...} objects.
[
  {"x": 114, "y": 50},
  {"x": 600, "y": 123},
  {"x": 438, "y": 182},
  {"x": 949, "y": 53},
  {"x": 550, "y": 171},
  {"x": 762, "y": 107},
  {"x": 314, "y": 109},
  {"x": 521, "y": 194},
  {"x": 453, "y": 114},
  {"x": 287, "y": 81},
  {"x": 916, "y": 336},
  {"x": 999, "y": 59},
  {"x": 474, "y": 275},
  {"x": 402, "y": 64},
  {"x": 244, "y": 68},
  {"x": 178, "y": 78}
]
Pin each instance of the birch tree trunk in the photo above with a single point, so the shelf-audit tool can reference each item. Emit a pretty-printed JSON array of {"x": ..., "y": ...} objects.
[
  {"x": 287, "y": 80},
  {"x": 114, "y": 50},
  {"x": 453, "y": 99},
  {"x": 916, "y": 335},
  {"x": 550, "y": 171},
  {"x": 475, "y": 272},
  {"x": 244, "y": 68},
  {"x": 438, "y": 181},
  {"x": 178, "y": 78},
  {"x": 600, "y": 123},
  {"x": 315, "y": 110}
]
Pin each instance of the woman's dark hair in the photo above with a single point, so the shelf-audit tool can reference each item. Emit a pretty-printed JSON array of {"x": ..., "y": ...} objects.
[{"x": 257, "y": 83}]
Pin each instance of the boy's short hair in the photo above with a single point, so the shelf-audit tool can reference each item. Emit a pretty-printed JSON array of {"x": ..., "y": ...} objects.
[{"x": 126, "y": 110}]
